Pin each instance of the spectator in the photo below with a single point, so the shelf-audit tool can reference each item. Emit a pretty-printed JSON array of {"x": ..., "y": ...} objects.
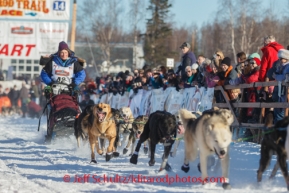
[
  {"x": 141, "y": 72},
  {"x": 280, "y": 92},
  {"x": 269, "y": 51},
  {"x": 217, "y": 60},
  {"x": 34, "y": 92},
  {"x": 13, "y": 96},
  {"x": 188, "y": 59},
  {"x": 201, "y": 62},
  {"x": 136, "y": 73},
  {"x": 128, "y": 81},
  {"x": 194, "y": 76},
  {"x": 24, "y": 97},
  {"x": 87, "y": 101},
  {"x": 211, "y": 76},
  {"x": 162, "y": 70},
  {"x": 226, "y": 75},
  {"x": 241, "y": 58},
  {"x": 156, "y": 79}
]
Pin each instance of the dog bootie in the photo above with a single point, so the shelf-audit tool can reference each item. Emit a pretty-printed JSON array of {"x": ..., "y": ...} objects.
[
  {"x": 115, "y": 154},
  {"x": 133, "y": 159},
  {"x": 152, "y": 162},
  {"x": 93, "y": 161},
  {"x": 226, "y": 186},
  {"x": 168, "y": 167},
  {"x": 185, "y": 168},
  {"x": 108, "y": 156},
  {"x": 125, "y": 150},
  {"x": 145, "y": 149}
]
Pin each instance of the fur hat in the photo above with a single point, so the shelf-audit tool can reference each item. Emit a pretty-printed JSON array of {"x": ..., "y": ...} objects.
[
  {"x": 255, "y": 55},
  {"x": 185, "y": 44},
  {"x": 282, "y": 53},
  {"x": 226, "y": 61},
  {"x": 195, "y": 66}
]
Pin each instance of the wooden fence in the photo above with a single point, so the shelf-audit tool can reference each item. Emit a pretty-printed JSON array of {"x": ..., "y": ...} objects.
[{"x": 256, "y": 128}]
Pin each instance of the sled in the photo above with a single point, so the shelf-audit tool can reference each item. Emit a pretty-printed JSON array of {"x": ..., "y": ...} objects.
[{"x": 61, "y": 109}]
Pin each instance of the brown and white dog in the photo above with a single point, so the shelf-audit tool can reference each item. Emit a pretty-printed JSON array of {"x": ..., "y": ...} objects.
[{"x": 98, "y": 123}]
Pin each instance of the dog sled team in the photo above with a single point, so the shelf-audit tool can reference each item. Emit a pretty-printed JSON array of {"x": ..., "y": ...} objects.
[{"x": 204, "y": 134}]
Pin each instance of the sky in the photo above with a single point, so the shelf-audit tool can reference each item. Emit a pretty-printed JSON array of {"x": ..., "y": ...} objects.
[{"x": 199, "y": 12}]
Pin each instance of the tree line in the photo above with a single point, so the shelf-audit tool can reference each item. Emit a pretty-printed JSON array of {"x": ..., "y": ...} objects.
[{"x": 238, "y": 25}]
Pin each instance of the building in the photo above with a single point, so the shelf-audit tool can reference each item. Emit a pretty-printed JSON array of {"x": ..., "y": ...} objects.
[{"x": 123, "y": 57}]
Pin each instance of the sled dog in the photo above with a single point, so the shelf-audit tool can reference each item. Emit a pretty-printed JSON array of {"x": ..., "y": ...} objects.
[
  {"x": 137, "y": 129},
  {"x": 97, "y": 122},
  {"x": 125, "y": 124},
  {"x": 210, "y": 133},
  {"x": 181, "y": 130},
  {"x": 275, "y": 141},
  {"x": 161, "y": 127}
]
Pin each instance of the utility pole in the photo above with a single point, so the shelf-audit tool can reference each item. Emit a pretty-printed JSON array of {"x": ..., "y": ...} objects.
[{"x": 73, "y": 26}]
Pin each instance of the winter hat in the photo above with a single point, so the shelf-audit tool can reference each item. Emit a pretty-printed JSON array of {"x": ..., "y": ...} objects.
[
  {"x": 185, "y": 44},
  {"x": 208, "y": 68},
  {"x": 195, "y": 66},
  {"x": 226, "y": 61},
  {"x": 282, "y": 53},
  {"x": 63, "y": 46},
  {"x": 255, "y": 55},
  {"x": 258, "y": 62}
]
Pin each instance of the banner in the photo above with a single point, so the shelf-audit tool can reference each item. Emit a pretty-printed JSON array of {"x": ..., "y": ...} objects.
[
  {"x": 35, "y": 9},
  {"x": 145, "y": 102},
  {"x": 174, "y": 101},
  {"x": 157, "y": 100},
  {"x": 30, "y": 40}
]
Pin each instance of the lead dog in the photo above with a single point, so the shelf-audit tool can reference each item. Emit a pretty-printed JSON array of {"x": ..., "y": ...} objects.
[
  {"x": 211, "y": 134},
  {"x": 97, "y": 122},
  {"x": 161, "y": 127}
]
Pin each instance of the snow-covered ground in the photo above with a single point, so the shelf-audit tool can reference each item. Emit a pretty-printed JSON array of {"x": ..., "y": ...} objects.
[{"x": 29, "y": 165}]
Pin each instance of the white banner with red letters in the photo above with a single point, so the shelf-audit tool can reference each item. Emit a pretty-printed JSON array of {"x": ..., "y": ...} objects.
[
  {"x": 30, "y": 40},
  {"x": 35, "y": 9}
]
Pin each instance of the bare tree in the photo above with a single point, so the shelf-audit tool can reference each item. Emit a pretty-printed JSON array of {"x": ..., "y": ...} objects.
[
  {"x": 137, "y": 13},
  {"x": 101, "y": 21}
]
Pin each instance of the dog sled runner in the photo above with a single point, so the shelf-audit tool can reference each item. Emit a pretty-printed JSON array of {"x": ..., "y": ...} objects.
[{"x": 61, "y": 111}]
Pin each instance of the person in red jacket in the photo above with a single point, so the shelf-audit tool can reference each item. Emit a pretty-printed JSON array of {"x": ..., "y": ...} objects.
[{"x": 270, "y": 51}]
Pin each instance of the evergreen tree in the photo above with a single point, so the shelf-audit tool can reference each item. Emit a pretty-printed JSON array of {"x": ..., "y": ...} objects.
[{"x": 156, "y": 48}]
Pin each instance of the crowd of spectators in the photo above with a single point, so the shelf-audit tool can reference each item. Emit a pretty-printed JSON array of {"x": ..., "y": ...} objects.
[
  {"x": 207, "y": 71},
  {"x": 200, "y": 71}
]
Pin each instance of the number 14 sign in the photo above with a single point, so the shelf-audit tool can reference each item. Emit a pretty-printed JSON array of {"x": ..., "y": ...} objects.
[{"x": 59, "y": 6}]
